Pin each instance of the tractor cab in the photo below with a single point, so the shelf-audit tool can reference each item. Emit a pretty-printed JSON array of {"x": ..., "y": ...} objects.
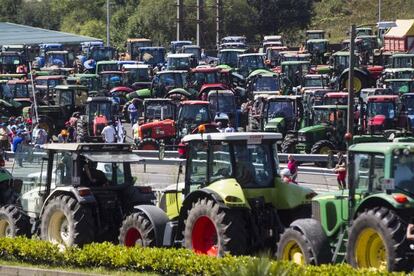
[
  {"x": 106, "y": 65},
  {"x": 91, "y": 81},
  {"x": 45, "y": 86},
  {"x": 400, "y": 86},
  {"x": 99, "y": 111},
  {"x": 9, "y": 61},
  {"x": 205, "y": 79},
  {"x": 224, "y": 102},
  {"x": 398, "y": 73},
  {"x": 314, "y": 81},
  {"x": 367, "y": 92},
  {"x": 401, "y": 60},
  {"x": 112, "y": 79},
  {"x": 317, "y": 48},
  {"x": 21, "y": 91},
  {"x": 294, "y": 72},
  {"x": 154, "y": 56},
  {"x": 159, "y": 109},
  {"x": 273, "y": 57},
  {"x": 363, "y": 31},
  {"x": 176, "y": 46},
  {"x": 248, "y": 63},
  {"x": 335, "y": 98},
  {"x": 133, "y": 45},
  {"x": 165, "y": 81},
  {"x": 315, "y": 34},
  {"x": 229, "y": 57},
  {"x": 181, "y": 62},
  {"x": 58, "y": 59},
  {"x": 139, "y": 75},
  {"x": 261, "y": 81},
  {"x": 192, "y": 49},
  {"x": 191, "y": 114},
  {"x": 408, "y": 105},
  {"x": 383, "y": 112}
]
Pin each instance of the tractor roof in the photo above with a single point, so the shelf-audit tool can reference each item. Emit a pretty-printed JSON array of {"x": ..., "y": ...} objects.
[
  {"x": 51, "y": 77},
  {"x": 278, "y": 48},
  {"x": 191, "y": 47},
  {"x": 158, "y": 100},
  {"x": 341, "y": 53},
  {"x": 317, "y": 40},
  {"x": 136, "y": 66},
  {"x": 395, "y": 70},
  {"x": 232, "y": 50},
  {"x": 315, "y": 31},
  {"x": 251, "y": 54},
  {"x": 262, "y": 72},
  {"x": 250, "y": 137},
  {"x": 181, "y": 55},
  {"x": 272, "y": 37},
  {"x": 112, "y": 72},
  {"x": 57, "y": 52},
  {"x": 384, "y": 148},
  {"x": 70, "y": 87},
  {"x": 99, "y": 99},
  {"x": 141, "y": 49},
  {"x": 331, "y": 106},
  {"x": 139, "y": 40},
  {"x": 172, "y": 72},
  {"x": 91, "y": 147},
  {"x": 86, "y": 76},
  {"x": 316, "y": 76},
  {"x": 336, "y": 94},
  {"x": 402, "y": 55},
  {"x": 107, "y": 62},
  {"x": 194, "y": 102},
  {"x": 205, "y": 70},
  {"x": 283, "y": 97},
  {"x": 399, "y": 80},
  {"x": 221, "y": 92},
  {"x": 19, "y": 82},
  {"x": 383, "y": 98},
  {"x": 295, "y": 62}
]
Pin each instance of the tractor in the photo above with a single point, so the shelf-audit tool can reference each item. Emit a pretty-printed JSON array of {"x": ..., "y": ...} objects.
[
  {"x": 225, "y": 102},
  {"x": 133, "y": 45},
  {"x": 364, "y": 225},
  {"x": 77, "y": 193},
  {"x": 62, "y": 60},
  {"x": 318, "y": 48},
  {"x": 112, "y": 79},
  {"x": 45, "y": 85},
  {"x": 8, "y": 106},
  {"x": 262, "y": 81},
  {"x": 99, "y": 111},
  {"x": 408, "y": 105},
  {"x": 294, "y": 72},
  {"x": 315, "y": 34},
  {"x": 188, "y": 115},
  {"x": 10, "y": 60},
  {"x": 400, "y": 86},
  {"x": 21, "y": 91},
  {"x": 68, "y": 100},
  {"x": 92, "y": 53},
  {"x": 324, "y": 135},
  {"x": 281, "y": 114},
  {"x": 314, "y": 82},
  {"x": 181, "y": 62},
  {"x": 154, "y": 56},
  {"x": 247, "y": 63},
  {"x": 91, "y": 81},
  {"x": 176, "y": 46},
  {"x": 139, "y": 75},
  {"x": 205, "y": 79},
  {"x": 194, "y": 50},
  {"x": 104, "y": 65},
  {"x": 401, "y": 60},
  {"x": 233, "y": 200},
  {"x": 273, "y": 57}
]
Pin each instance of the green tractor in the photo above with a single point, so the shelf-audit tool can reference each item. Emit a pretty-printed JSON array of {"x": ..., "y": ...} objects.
[
  {"x": 294, "y": 72},
  {"x": 324, "y": 135},
  {"x": 364, "y": 225},
  {"x": 282, "y": 114},
  {"x": 233, "y": 200}
]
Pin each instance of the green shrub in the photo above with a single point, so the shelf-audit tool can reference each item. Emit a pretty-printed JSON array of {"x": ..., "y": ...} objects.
[{"x": 158, "y": 260}]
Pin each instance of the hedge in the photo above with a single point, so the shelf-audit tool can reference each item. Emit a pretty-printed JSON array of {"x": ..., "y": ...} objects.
[{"x": 157, "y": 260}]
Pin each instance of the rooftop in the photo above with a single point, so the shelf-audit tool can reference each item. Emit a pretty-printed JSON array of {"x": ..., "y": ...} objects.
[{"x": 11, "y": 34}]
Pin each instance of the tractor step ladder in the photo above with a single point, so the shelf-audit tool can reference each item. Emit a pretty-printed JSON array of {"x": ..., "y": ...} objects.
[{"x": 343, "y": 238}]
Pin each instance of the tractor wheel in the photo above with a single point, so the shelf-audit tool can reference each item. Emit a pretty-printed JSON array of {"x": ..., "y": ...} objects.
[
  {"x": 13, "y": 222},
  {"x": 360, "y": 81},
  {"x": 304, "y": 242},
  {"x": 66, "y": 222},
  {"x": 136, "y": 229},
  {"x": 322, "y": 147},
  {"x": 81, "y": 130},
  {"x": 377, "y": 240},
  {"x": 289, "y": 144},
  {"x": 213, "y": 231},
  {"x": 148, "y": 144}
]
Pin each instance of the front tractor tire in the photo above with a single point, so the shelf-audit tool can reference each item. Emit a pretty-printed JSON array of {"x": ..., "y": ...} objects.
[
  {"x": 214, "y": 231},
  {"x": 377, "y": 240},
  {"x": 81, "y": 130},
  {"x": 304, "y": 242},
  {"x": 322, "y": 147},
  {"x": 136, "y": 229},
  {"x": 148, "y": 144},
  {"x": 66, "y": 222},
  {"x": 13, "y": 222},
  {"x": 289, "y": 144}
]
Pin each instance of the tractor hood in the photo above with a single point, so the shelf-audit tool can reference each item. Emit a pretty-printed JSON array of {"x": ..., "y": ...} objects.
[
  {"x": 313, "y": 129},
  {"x": 275, "y": 124},
  {"x": 141, "y": 93},
  {"x": 377, "y": 120}
]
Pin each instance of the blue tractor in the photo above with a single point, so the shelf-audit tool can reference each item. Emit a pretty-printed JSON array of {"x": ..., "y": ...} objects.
[
  {"x": 92, "y": 52},
  {"x": 40, "y": 61},
  {"x": 154, "y": 56}
]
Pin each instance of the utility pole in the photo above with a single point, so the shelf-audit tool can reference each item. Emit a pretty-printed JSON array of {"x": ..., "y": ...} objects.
[
  {"x": 379, "y": 10},
  {"x": 180, "y": 10},
  {"x": 108, "y": 43},
  {"x": 350, "y": 122},
  {"x": 200, "y": 18},
  {"x": 218, "y": 21}
]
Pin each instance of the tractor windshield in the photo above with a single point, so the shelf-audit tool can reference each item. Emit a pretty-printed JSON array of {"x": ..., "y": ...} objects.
[
  {"x": 152, "y": 57},
  {"x": 315, "y": 82},
  {"x": 317, "y": 47},
  {"x": 194, "y": 115},
  {"x": 110, "y": 81},
  {"x": 266, "y": 84},
  {"x": 51, "y": 82},
  {"x": 107, "y": 67},
  {"x": 10, "y": 60},
  {"x": 254, "y": 165},
  {"x": 5, "y": 92},
  {"x": 250, "y": 63},
  {"x": 401, "y": 86},
  {"x": 99, "y": 54},
  {"x": 283, "y": 109},
  {"x": 229, "y": 58},
  {"x": 139, "y": 75},
  {"x": 20, "y": 90},
  {"x": 403, "y": 172},
  {"x": 329, "y": 116},
  {"x": 409, "y": 104},
  {"x": 53, "y": 59},
  {"x": 159, "y": 111},
  {"x": 403, "y": 62},
  {"x": 66, "y": 98},
  {"x": 178, "y": 63},
  {"x": 203, "y": 78},
  {"x": 171, "y": 80},
  {"x": 386, "y": 109},
  {"x": 103, "y": 109},
  {"x": 224, "y": 103}
]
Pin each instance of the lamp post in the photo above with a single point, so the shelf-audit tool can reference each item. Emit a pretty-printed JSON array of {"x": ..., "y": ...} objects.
[{"x": 108, "y": 43}]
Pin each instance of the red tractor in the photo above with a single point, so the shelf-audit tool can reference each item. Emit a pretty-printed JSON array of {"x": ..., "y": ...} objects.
[
  {"x": 171, "y": 123},
  {"x": 205, "y": 79},
  {"x": 99, "y": 112}
]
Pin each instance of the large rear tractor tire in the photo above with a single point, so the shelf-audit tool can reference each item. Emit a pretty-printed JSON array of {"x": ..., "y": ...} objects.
[
  {"x": 289, "y": 144},
  {"x": 322, "y": 147},
  {"x": 81, "y": 130},
  {"x": 360, "y": 82},
  {"x": 66, "y": 222},
  {"x": 214, "y": 231},
  {"x": 13, "y": 222},
  {"x": 377, "y": 240},
  {"x": 136, "y": 229},
  {"x": 304, "y": 242}
]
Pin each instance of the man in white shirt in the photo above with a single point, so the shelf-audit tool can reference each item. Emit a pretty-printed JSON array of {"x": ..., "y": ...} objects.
[{"x": 109, "y": 133}]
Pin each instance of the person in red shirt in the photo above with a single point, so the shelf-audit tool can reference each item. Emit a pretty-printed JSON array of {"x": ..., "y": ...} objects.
[
  {"x": 293, "y": 167},
  {"x": 340, "y": 170}
]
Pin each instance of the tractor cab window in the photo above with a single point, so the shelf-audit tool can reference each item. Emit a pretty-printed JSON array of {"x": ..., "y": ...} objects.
[
  {"x": 111, "y": 80},
  {"x": 377, "y": 175},
  {"x": 158, "y": 111},
  {"x": 66, "y": 98},
  {"x": 400, "y": 87},
  {"x": 229, "y": 58},
  {"x": 99, "y": 54},
  {"x": 63, "y": 169},
  {"x": 21, "y": 91},
  {"x": 386, "y": 109},
  {"x": 221, "y": 162},
  {"x": 362, "y": 163},
  {"x": 369, "y": 171},
  {"x": 80, "y": 97},
  {"x": 403, "y": 62},
  {"x": 222, "y": 103},
  {"x": 100, "y": 109},
  {"x": 409, "y": 105},
  {"x": 114, "y": 172},
  {"x": 280, "y": 109},
  {"x": 194, "y": 114},
  {"x": 403, "y": 172},
  {"x": 5, "y": 91},
  {"x": 197, "y": 165},
  {"x": 254, "y": 165},
  {"x": 266, "y": 84},
  {"x": 315, "y": 82},
  {"x": 139, "y": 74}
]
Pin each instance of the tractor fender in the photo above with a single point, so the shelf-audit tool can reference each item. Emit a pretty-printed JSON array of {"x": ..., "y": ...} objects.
[
  {"x": 179, "y": 91},
  {"x": 379, "y": 200},
  {"x": 356, "y": 72},
  {"x": 70, "y": 191},
  {"x": 158, "y": 219}
]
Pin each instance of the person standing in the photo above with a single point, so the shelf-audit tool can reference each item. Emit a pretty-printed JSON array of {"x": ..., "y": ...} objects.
[
  {"x": 109, "y": 133},
  {"x": 229, "y": 128},
  {"x": 18, "y": 147},
  {"x": 133, "y": 112},
  {"x": 292, "y": 166},
  {"x": 340, "y": 170}
]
